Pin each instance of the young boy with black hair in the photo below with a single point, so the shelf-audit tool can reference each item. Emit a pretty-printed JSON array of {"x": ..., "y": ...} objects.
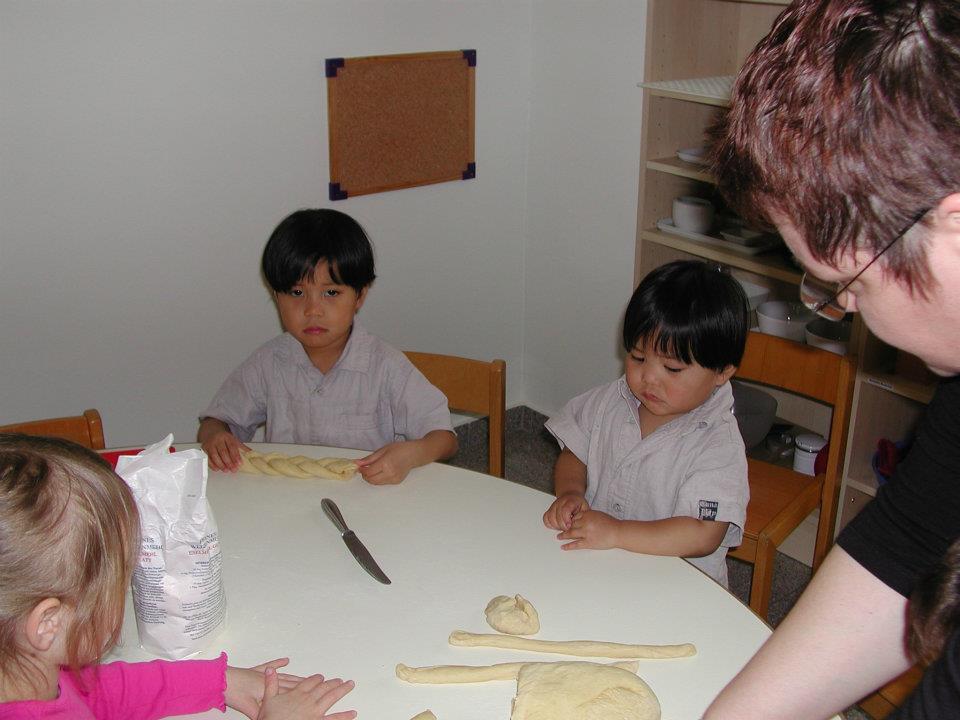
[
  {"x": 654, "y": 462},
  {"x": 326, "y": 381}
]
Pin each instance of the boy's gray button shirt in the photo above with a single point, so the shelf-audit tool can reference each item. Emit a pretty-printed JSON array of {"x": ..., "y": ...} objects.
[
  {"x": 372, "y": 396},
  {"x": 693, "y": 466}
]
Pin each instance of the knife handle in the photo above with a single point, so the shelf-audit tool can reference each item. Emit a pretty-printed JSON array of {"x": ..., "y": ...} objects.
[{"x": 333, "y": 512}]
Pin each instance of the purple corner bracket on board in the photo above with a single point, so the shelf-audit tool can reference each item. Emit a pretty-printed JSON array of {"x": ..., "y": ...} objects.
[
  {"x": 336, "y": 193},
  {"x": 332, "y": 65}
]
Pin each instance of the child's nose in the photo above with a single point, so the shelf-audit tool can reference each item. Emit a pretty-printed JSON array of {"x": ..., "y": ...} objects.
[{"x": 314, "y": 304}]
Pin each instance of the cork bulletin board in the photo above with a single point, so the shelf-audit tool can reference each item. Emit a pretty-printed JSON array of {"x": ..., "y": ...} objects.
[{"x": 398, "y": 121}]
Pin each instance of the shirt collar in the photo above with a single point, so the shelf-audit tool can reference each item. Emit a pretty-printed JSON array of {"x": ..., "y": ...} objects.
[
  {"x": 714, "y": 407},
  {"x": 355, "y": 357}
]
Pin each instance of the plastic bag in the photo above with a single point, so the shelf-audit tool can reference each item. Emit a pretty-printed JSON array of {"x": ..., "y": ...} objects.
[{"x": 178, "y": 593}]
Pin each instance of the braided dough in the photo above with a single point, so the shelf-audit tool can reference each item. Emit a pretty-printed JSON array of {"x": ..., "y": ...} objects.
[
  {"x": 580, "y": 648},
  {"x": 513, "y": 615},
  {"x": 297, "y": 466},
  {"x": 449, "y": 674},
  {"x": 582, "y": 691}
]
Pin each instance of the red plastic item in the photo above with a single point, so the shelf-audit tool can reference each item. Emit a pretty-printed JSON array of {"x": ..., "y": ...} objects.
[
  {"x": 820, "y": 464},
  {"x": 111, "y": 456}
]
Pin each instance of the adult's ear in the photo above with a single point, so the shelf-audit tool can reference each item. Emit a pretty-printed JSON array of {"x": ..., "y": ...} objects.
[
  {"x": 44, "y": 623},
  {"x": 947, "y": 214}
]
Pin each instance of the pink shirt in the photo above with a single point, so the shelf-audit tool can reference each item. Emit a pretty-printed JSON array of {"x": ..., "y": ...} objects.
[{"x": 132, "y": 691}]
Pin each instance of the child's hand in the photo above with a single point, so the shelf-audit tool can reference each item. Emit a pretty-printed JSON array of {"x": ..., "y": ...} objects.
[
  {"x": 311, "y": 698},
  {"x": 390, "y": 464},
  {"x": 245, "y": 685},
  {"x": 591, "y": 529},
  {"x": 564, "y": 509},
  {"x": 223, "y": 451}
]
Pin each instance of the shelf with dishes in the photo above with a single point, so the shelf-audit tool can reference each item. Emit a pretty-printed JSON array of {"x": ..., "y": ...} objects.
[{"x": 772, "y": 264}]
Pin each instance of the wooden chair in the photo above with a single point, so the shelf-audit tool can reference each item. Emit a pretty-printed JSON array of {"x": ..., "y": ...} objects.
[
  {"x": 471, "y": 386},
  {"x": 780, "y": 499},
  {"x": 86, "y": 429}
]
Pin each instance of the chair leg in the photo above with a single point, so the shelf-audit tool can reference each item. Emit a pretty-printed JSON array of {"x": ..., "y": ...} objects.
[{"x": 762, "y": 583}]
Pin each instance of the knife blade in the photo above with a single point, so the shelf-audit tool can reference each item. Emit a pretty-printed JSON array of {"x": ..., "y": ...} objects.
[{"x": 350, "y": 539}]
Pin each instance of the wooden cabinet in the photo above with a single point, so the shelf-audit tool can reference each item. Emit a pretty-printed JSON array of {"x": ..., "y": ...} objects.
[{"x": 693, "y": 50}]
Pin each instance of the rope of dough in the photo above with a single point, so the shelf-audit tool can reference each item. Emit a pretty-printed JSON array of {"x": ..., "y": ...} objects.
[
  {"x": 444, "y": 674},
  {"x": 580, "y": 648},
  {"x": 298, "y": 466},
  {"x": 425, "y": 715}
]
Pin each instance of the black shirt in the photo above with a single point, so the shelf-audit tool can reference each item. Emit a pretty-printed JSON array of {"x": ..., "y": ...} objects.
[{"x": 903, "y": 533}]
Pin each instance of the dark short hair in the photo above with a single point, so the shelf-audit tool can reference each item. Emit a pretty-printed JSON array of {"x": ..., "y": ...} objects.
[
  {"x": 306, "y": 238},
  {"x": 846, "y": 120},
  {"x": 692, "y": 311}
]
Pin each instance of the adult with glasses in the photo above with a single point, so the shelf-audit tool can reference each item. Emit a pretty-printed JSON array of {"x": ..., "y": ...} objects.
[{"x": 844, "y": 131}]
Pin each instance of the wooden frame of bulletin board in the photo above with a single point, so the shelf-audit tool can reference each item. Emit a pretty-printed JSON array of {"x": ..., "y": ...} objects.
[{"x": 398, "y": 121}]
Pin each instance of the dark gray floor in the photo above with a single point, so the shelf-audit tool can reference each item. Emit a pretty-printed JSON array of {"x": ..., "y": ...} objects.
[{"x": 530, "y": 454}]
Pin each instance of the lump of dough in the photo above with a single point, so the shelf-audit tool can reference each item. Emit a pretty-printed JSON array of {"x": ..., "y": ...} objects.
[
  {"x": 582, "y": 691},
  {"x": 425, "y": 715},
  {"x": 513, "y": 615}
]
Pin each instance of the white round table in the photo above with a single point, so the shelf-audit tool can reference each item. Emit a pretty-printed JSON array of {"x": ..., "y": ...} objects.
[{"x": 450, "y": 540}]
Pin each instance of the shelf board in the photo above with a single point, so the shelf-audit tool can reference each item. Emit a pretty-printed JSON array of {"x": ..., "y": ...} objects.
[
  {"x": 707, "y": 90},
  {"x": 921, "y": 392},
  {"x": 676, "y": 166},
  {"x": 770, "y": 264}
]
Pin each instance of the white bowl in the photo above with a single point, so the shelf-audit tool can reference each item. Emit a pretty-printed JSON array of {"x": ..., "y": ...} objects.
[
  {"x": 784, "y": 319},
  {"x": 829, "y": 335},
  {"x": 755, "y": 411},
  {"x": 756, "y": 295}
]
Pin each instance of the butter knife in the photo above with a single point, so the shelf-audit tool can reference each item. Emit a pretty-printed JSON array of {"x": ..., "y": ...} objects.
[{"x": 357, "y": 548}]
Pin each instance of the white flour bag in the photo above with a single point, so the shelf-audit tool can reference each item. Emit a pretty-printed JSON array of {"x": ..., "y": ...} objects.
[{"x": 178, "y": 591}]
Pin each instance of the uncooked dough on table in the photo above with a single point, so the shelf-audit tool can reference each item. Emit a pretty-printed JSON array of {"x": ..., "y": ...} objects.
[
  {"x": 451, "y": 674},
  {"x": 512, "y": 615},
  {"x": 425, "y": 715},
  {"x": 579, "y": 648},
  {"x": 297, "y": 466},
  {"x": 582, "y": 691}
]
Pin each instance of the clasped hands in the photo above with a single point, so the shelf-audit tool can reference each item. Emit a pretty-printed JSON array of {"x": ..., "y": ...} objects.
[{"x": 584, "y": 528}]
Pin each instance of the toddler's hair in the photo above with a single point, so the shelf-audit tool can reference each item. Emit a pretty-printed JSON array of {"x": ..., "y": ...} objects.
[
  {"x": 692, "y": 311},
  {"x": 69, "y": 529},
  {"x": 306, "y": 238}
]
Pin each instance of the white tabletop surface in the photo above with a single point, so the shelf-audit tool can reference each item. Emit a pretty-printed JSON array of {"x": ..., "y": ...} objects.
[{"x": 450, "y": 540}]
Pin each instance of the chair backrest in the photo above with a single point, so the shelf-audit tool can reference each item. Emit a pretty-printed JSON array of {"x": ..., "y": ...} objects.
[
  {"x": 86, "y": 429},
  {"x": 817, "y": 374},
  {"x": 472, "y": 386}
]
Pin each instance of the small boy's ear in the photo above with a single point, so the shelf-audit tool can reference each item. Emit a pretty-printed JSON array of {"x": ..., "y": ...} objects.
[
  {"x": 728, "y": 372},
  {"x": 361, "y": 297},
  {"x": 44, "y": 623}
]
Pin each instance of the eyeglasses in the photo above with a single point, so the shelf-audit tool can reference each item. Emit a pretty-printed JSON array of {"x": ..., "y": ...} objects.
[{"x": 821, "y": 296}]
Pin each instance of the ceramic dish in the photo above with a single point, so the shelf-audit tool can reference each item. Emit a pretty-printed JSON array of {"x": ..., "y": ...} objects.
[
  {"x": 784, "y": 319},
  {"x": 667, "y": 226},
  {"x": 695, "y": 155},
  {"x": 743, "y": 235},
  {"x": 829, "y": 335}
]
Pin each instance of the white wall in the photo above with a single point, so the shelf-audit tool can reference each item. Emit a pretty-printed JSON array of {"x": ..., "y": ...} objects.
[
  {"x": 147, "y": 150},
  {"x": 581, "y": 193}
]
